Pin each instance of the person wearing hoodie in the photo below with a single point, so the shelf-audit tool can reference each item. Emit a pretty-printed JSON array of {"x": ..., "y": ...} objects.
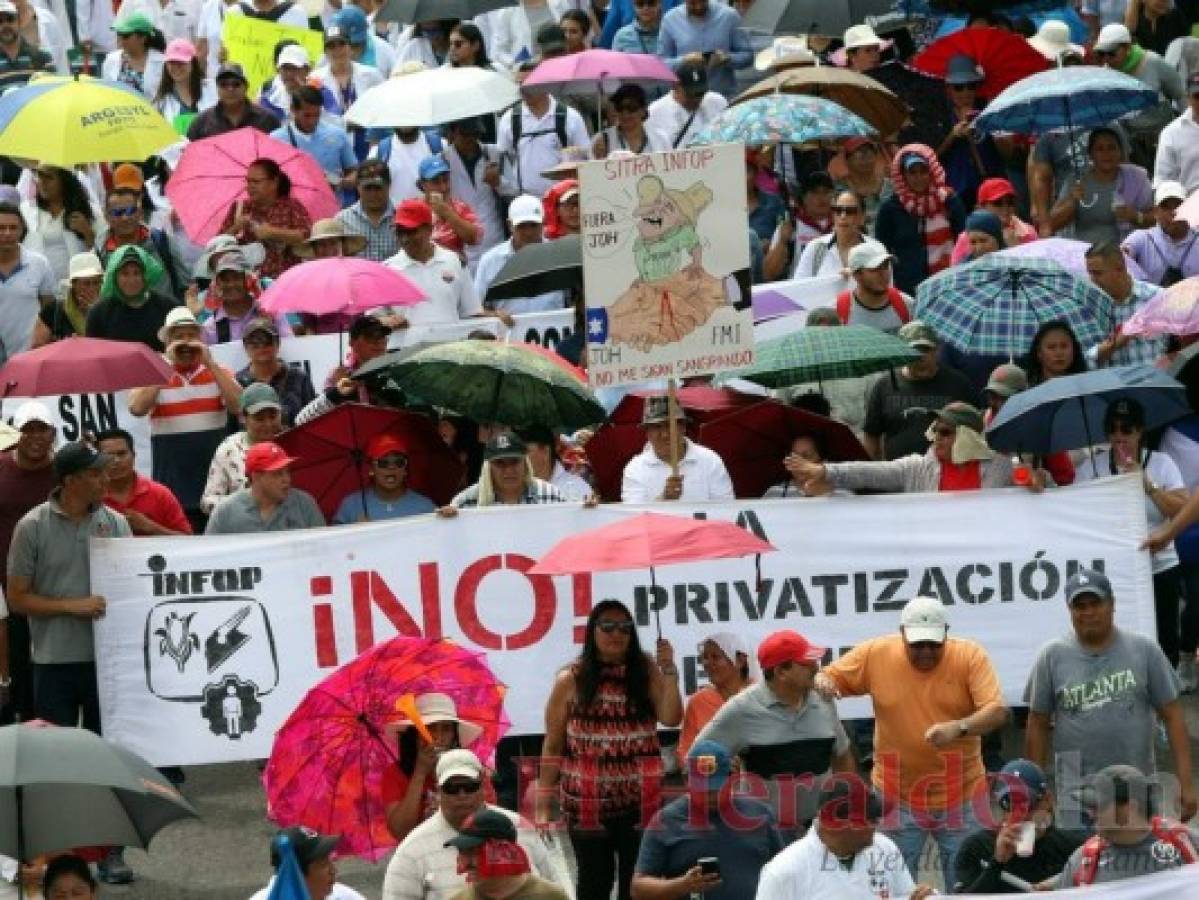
[
  {"x": 920, "y": 222},
  {"x": 131, "y": 307}
]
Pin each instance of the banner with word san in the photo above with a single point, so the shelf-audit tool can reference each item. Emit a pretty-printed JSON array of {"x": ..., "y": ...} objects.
[
  {"x": 666, "y": 265},
  {"x": 79, "y": 414},
  {"x": 209, "y": 643},
  {"x": 251, "y": 42}
]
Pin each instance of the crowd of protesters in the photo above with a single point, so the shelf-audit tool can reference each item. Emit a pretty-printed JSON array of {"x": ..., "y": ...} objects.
[{"x": 789, "y": 804}]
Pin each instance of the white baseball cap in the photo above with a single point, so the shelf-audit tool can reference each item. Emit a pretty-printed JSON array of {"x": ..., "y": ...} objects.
[
  {"x": 32, "y": 411},
  {"x": 458, "y": 764},
  {"x": 293, "y": 55},
  {"x": 870, "y": 254},
  {"x": 1112, "y": 36},
  {"x": 923, "y": 619},
  {"x": 1168, "y": 190},
  {"x": 524, "y": 209},
  {"x": 84, "y": 265}
]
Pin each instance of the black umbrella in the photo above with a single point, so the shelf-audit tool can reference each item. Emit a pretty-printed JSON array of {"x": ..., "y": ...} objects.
[
  {"x": 540, "y": 268},
  {"x": 428, "y": 10},
  {"x": 67, "y": 787},
  {"x": 826, "y": 17}
]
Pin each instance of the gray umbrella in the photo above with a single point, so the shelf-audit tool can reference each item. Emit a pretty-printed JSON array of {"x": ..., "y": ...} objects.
[
  {"x": 826, "y": 17},
  {"x": 540, "y": 268},
  {"x": 426, "y": 10},
  {"x": 67, "y": 787}
]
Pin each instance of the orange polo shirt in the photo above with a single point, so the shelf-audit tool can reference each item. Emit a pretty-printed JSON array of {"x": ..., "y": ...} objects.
[{"x": 907, "y": 702}]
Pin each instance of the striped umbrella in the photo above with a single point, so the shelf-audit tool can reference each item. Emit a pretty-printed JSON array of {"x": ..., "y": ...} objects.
[
  {"x": 995, "y": 305},
  {"x": 824, "y": 354}
]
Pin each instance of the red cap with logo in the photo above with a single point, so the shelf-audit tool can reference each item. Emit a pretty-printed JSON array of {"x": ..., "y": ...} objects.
[
  {"x": 267, "y": 457},
  {"x": 787, "y": 646},
  {"x": 384, "y": 444},
  {"x": 413, "y": 213},
  {"x": 995, "y": 189}
]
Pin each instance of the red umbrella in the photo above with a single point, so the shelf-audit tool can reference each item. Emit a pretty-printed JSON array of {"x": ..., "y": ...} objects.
[
  {"x": 1004, "y": 57},
  {"x": 753, "y": 442},
  {"x": 82, "y": 365},
  {"x": 648, "y": 540},
  {"x": 332, "y": 462},
  {"x": 211, "y": 177},
  {"x": 614, "y": 444}
]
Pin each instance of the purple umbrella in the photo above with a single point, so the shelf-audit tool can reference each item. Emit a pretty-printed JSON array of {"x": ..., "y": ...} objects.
[
  {"x": 772, "y": 305},
  {"x": 1069, "y": 254}
]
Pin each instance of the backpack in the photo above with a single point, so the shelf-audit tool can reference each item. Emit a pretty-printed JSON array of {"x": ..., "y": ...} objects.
[
  {"x": 273, "y": 15},
  {"x": 432, "y": 138},
  {"x": 517, "y": 133},
  {"x": 1173, "y": 833},
  {"x": 894, "y": 297}
]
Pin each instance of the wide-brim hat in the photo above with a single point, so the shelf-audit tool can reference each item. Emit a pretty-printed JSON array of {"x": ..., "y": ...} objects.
[
  {"x": 440, "y": 708},
  {"x": 327, "y": 230},
  {"x": 784, "y": 52}
]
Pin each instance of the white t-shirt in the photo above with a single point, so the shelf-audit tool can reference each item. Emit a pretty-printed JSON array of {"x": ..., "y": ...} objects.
[
  {"x": 668, "y": 116},
  {"x": 539, "y": 149},
  {"x": 403, "y": 161},
  {"x": 806, "y": 869},
  {"x": 703, "y": 471},
  {"x": 446, "y": 283},
  {"x": 1163, "y": 472}
]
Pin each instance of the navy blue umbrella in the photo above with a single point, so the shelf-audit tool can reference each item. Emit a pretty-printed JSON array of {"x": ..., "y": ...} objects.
[{"x": 1066, "y": 413}]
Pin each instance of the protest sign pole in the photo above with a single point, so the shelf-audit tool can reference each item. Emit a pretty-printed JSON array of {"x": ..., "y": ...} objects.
[{"x": 672, "y": 406}]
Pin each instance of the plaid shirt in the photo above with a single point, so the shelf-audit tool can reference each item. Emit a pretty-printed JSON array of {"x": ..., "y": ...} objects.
[
  {"x": 381, "y": 242},
  {"x": 1140, "y": 350},
  {"x": 538, "y": 492}
]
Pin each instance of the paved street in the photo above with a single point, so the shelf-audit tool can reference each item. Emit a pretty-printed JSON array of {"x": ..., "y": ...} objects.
[{"x": 224, "y": 856}]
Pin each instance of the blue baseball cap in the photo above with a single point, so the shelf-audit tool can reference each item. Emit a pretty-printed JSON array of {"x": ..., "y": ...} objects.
[
  {"x": 354, "y": 21},
  {"x": 1021, "y": 777},
  {"x": 432, "y": 166},
  {"x": 710, "y": 761}
]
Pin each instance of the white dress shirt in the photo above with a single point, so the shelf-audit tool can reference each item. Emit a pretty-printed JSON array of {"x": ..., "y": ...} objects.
[
  {"x": 447, "y": 285},
  {"x": 703, "y": 471},
  {"x": 539, "y": 148},
  {"x": 668, "y": 116}
]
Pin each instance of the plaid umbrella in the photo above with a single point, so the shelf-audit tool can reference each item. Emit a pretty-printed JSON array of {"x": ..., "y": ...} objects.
[
  {"x": 995, "y": 305},
  {"x": 824, "y": 354}
]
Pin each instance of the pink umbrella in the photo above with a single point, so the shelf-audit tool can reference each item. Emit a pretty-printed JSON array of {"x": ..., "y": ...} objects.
[
  {"x": 211, "y": 177},
  {"x": 1070, "y": 254},
  {"x": 600, "y": 70},
  {"x": 91, "y": 365},
  {"x": 338, "y": 284},
  {"x": 1173, "y": 311}
]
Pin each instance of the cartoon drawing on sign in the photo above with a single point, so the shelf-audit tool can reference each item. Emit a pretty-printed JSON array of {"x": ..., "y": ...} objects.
[
  {"x": 673, "y": 294},
  {"x": 231, "y": 707},
  {"x": 226, "y": 640},
  {"x": 176, "y": 640}
]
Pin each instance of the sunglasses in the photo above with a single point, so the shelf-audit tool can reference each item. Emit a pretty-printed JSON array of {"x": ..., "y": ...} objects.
[
  {"x": 608, "y": 626},
  {"x": 846, "y": 210},
  {"x": 462, "y": 787},
  {"x": 392, "y": 462},
  {"x": 124, "y": 212},
  {"x": 259, "y": 341}
]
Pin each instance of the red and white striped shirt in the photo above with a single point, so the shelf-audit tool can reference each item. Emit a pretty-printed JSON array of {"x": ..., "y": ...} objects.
[{"x": 189, "y": 403}]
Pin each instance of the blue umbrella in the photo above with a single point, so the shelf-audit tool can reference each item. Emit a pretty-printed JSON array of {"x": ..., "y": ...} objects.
[
  {"x": 1071, "y": 97},
  {"x": 1066, "y": 413},
  {"x": 783, "y": 119},
  {"x": 289, "y": 881}
]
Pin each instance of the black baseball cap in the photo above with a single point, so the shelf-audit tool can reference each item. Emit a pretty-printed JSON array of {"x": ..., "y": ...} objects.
[
  {"x": 505, "y": 445},
  {"x": 366, "y": 323},
  {"x": 74, "y": 457},
  {"x": 693, "y": 78},
  {"x": 482, "y": 826},
  {"x": 309, "y": 846},
  {"x": 231, "y": 70}
]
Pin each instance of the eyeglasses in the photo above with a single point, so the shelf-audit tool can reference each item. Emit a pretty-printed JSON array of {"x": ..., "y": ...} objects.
[
  {"x": 462, "y": 787},
  {"x": 392, "y": 462},
  {"x": 609, "y": 626},
  {"x": 1123, "y": 428},
  {"x": 123, "y": 212},
  {"x": 846, "y": 210},
  {"x": 944, "y": 431}
]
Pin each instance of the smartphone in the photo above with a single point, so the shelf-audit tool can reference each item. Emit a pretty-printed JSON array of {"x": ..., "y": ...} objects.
[{"x": 709, "y": 865}]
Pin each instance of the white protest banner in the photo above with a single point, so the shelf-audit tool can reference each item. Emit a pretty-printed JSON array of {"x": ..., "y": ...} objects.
[
  {"x": 76, "y": 415},
  {"x": 665, "y": 265},
  {"x": 267, "y": 616},
  {"x": 1181, "y": 882}
]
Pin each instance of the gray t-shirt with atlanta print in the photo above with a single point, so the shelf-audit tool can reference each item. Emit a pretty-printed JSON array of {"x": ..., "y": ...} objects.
[{"x": 1102, "y": 703}]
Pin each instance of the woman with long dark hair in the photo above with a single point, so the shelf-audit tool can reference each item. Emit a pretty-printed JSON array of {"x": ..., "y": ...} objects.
[
  {"x": 601, "y": 745},
  {"x": 467, "y": 47},
  {"x": 1055, "y": 351},
  {"x": 183, "y": 89},
  {"x": 271, "y": 216},
  {"x": 138, "y": 60},
  {"x": 61, "y": 219}
]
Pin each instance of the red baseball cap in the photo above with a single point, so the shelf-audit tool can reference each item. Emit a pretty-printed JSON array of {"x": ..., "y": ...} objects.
[
  {"x": 787, "y": 646},
  {"x": 413, "y": 213},
  {"x": 995, "y": 189},
  {"x": 267, "y": 457},
  {"x": 384, "y": 444}
]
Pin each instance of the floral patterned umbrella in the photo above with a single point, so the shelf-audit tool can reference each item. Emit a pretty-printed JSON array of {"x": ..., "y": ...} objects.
[
  {"x": 783, "y": 119},
  {"x": 330, "y": 757}
]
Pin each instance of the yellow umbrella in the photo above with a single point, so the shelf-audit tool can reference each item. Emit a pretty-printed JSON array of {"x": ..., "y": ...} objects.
[{"x": 68, "y": 122}]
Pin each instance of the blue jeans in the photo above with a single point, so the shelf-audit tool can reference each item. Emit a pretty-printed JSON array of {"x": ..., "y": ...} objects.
[
  {"x": 63, "y": 692},
  {"x": 912, "y": 832}
]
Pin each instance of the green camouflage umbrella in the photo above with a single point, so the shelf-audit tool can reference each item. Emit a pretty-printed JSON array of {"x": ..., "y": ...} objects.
[
  {"x": 518, "y": 385},
  {"x": 824, "y": 353}
]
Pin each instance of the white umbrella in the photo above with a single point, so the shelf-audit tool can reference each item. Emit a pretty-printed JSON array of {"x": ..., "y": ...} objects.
[{"x": 433, "y": 97}]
